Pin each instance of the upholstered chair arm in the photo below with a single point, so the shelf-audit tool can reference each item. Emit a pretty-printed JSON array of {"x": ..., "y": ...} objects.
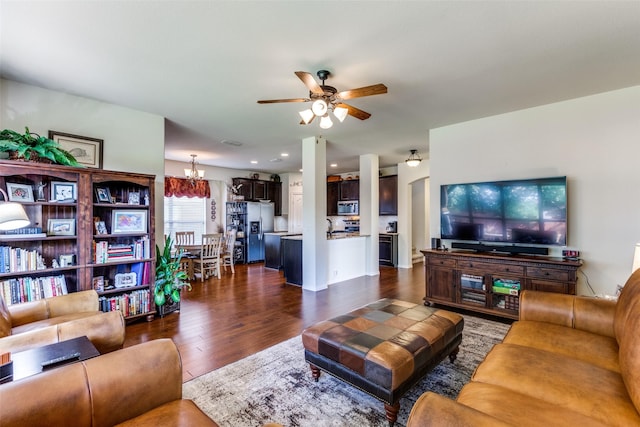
[
  {"x": 585, "y": 313},
  {"x": 76, "y": 302},
  {"x": 434, "y": 410},
  {"x": 28, "y": 312}
]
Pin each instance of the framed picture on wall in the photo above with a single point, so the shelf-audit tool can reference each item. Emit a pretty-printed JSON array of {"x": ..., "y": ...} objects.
[{"x": 86, "y": 150}]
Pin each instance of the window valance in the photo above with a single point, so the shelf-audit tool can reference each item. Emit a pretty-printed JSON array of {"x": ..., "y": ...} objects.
[{"x": 180, "y": 187}]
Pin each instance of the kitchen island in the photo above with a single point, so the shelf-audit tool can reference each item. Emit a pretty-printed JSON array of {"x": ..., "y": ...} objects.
[{"x": 346, "y": 257}]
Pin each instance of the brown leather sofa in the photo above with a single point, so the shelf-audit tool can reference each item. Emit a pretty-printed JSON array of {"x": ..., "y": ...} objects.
[
  {"x": 47, "y": 321},
  {"x": 136, "y": 386},
  {"x": 568, "y": 361}
]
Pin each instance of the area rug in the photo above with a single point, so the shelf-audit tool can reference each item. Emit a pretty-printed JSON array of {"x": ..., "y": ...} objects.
[{"x": 275, "y": 385}]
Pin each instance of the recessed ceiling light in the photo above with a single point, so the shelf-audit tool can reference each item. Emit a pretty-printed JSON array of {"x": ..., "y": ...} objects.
[
  {"x": 300, "y": 170},
  {"x": 284, "y": 154},
  {"x": 254, "y": 162},
  {"x": 334, "y": 165},
  {"x": 276, "y": 160}
]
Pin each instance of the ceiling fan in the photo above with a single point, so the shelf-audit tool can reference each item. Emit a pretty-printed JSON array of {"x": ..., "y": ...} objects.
[{"x": 327, "y": 98}]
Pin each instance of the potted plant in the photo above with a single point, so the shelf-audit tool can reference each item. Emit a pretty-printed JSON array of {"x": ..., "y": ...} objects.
[
  {"x": 169, "y": 279},
  {"x": 33, "y": 147}
]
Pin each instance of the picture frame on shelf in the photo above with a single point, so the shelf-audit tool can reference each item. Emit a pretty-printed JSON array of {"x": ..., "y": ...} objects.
[
  {"x": 98, "y": 283},
  {"x": 134, "y": 198},
  {"x": 19, "y": 192},
  {"x": 125, "y": 280},
  {"x": 101, "y": 227},
  {"x": 128, "y": 221},
  {"x": 103, "y": 195},
  {"x": 64, "y": 191},
  {"x": 87, "y": 151},
  {"x": 61, "y": 227},
  {"x": 67, "y": 260}
]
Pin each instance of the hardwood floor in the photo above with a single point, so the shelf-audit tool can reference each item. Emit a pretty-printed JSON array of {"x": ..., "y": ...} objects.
[{"x": 222, "y": 321}]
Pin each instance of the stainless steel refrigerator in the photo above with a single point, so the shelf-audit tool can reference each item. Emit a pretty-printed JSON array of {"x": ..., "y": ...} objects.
[{"x": 259, "y": 221}]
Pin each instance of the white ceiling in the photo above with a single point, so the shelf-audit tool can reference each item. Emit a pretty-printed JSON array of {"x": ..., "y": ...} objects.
[{"x": 203, "y": 65}]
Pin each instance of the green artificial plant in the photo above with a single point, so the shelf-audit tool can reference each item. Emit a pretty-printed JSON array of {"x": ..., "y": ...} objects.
[
  {"x": 169, "y": 278},
  {"x": 31, "y": 145}
]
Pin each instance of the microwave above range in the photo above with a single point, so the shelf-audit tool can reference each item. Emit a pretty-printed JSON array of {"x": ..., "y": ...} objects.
[{"x": 348, "y": 208}]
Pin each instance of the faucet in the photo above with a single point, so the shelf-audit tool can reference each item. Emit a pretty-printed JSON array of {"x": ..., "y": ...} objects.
[{"x": 330, "y": 228}]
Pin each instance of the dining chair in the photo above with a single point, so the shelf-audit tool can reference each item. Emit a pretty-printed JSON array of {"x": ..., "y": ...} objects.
[
  {"x": 185, "y": 238},
  {"x": 208, "y": 263},
  {"x": 229, "y": 247}
]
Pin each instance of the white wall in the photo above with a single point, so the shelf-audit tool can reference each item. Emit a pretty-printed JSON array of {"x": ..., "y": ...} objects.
[
  {"x": 133, "y": 140},
  {"x": 406, "y": 177},
  {"x": 594, "y": 141}
]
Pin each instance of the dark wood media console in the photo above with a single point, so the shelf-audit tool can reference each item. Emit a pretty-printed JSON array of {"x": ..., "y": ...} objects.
[{"x": 491, "y": 283}]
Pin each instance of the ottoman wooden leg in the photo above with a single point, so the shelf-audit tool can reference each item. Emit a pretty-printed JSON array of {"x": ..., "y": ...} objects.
[
  {"x": 315, "y": 372},
  {"x": 454, "y": 354},
  {"x": 392, "y": 413}
]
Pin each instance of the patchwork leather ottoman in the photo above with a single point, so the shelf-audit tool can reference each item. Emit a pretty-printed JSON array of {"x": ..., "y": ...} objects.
[{"x": 383, "y": 348}]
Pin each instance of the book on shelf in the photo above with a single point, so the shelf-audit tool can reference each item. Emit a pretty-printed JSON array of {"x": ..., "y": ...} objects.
[
  {"x": 26, "y": 289},
  {"x": 131, "y": 304}
]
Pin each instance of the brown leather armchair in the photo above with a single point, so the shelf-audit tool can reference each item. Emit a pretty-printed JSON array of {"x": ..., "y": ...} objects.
[
  {"x": 136, "y": 386},
  {"x": 50, "y": 320}
]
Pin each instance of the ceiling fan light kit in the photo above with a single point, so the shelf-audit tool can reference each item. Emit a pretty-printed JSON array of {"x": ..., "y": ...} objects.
[
  {"x": 307, "y": 115},
  {"x": 414, "y": 159},
  {"x": 327, "y": 98},
  {"x": 325, "y": 122}
]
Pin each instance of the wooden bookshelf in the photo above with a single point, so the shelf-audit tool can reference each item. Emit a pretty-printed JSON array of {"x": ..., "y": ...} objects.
[{"x": 70, "y": 235}]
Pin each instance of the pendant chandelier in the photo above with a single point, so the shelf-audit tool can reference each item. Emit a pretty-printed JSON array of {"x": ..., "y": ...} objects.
[
  {"x": 414, "y": 159},
  {"x": 194, "y": 174}
]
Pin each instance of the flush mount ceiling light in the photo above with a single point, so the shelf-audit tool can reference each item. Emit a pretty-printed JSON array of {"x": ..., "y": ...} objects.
[
  {"x": 194, "y": 174},
  {"x": 326, "y": 98},
  {"x": 414, "y": 159}
]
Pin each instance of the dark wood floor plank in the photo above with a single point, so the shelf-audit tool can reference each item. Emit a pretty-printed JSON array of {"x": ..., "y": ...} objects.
[{"x": 222, "y": 321}]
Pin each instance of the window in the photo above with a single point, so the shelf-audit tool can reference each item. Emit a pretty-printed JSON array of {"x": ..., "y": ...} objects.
[{"x": 185, "y": 214}]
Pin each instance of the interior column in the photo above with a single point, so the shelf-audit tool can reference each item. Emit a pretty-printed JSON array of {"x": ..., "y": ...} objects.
[
  {"x": 314, "y": 207},
  {"x": 369, "y": 211}
]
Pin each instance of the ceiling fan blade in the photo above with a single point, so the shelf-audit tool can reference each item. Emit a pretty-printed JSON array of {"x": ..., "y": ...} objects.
[
  {"x": 310, "y": 82},
  {"x": 355, "y": 112},
  {"x": 274, "y": 101},
  {"x": 363, "y": 91}
]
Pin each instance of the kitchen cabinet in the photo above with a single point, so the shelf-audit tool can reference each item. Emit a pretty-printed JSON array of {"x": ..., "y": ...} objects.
[
  {"x": 255, "y": 190},
  {"x": 274, "y": 193},
  {"x": 388, "y": 249},
  {"x": 273, "y": 250},
  {"x": 292, "y": 259},
  {"x": 388, "y": 195},
  {"x": 350, "y": 190},
  {"x": 333, "y": 195}
]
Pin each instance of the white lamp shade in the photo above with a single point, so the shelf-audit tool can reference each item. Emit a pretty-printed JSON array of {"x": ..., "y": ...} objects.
[
  {"x": 325, "y": 122},
  {"x": 413, "y": 163},
  {"x": 12, "y": 216},
  {"x": 636, "y": 258},
  {"x": 340, "y": 113},
  {"x": 319, "y": 107},
  {"x": 306, "y": 115}
]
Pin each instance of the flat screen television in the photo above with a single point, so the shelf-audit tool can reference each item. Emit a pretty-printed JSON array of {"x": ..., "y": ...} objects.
[{"x": 527, "y": 211}]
